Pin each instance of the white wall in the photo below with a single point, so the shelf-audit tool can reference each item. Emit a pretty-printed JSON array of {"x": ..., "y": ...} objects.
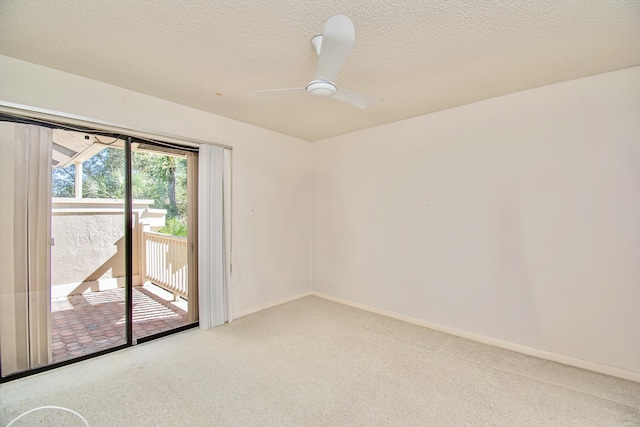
[
  {"x": 516, "y": 218},
  {"x": 271, "y": 173}
]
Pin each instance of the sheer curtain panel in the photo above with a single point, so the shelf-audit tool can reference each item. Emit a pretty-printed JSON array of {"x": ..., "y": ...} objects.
[
  {"x": 214, "y": 184},
  {"x": 25, "y": 191}
]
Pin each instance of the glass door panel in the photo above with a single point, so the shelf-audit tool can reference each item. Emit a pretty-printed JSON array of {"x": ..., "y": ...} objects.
[
  {"x": 88, "y": 278},
  {"x": 161, "y": 204},
  {"x": 62, "y": 256}
]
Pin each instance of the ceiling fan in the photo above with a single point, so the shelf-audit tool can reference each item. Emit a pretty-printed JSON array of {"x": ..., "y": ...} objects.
[{"x": 333, "y": 48}]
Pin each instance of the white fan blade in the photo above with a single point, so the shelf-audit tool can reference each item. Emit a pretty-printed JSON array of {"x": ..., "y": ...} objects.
[
  {"x": 337, "y": 41},
  {"x": 278, "y": 92},
  {"x": 353, "y": 98}
]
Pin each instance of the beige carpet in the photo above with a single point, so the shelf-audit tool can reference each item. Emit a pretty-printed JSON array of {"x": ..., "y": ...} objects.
[{"x": 314, "y": 362}]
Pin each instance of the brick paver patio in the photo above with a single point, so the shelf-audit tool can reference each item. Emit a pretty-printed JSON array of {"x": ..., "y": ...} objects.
[{"x": 94, "y": 321}]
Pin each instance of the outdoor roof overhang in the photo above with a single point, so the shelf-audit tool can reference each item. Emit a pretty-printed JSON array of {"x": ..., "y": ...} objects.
[{"x": 74, "y": 147}]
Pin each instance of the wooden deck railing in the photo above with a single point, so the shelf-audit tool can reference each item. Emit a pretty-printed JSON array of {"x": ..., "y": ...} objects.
[{"x": 166, "y": 262}]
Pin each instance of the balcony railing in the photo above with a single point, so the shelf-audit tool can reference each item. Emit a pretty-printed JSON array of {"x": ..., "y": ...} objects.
[{"x": 166, "y": 262}]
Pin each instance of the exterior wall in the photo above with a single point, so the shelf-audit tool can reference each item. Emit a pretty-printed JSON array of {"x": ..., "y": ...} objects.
[
  {"x": 89, "y": 242},
  {"x": 83, "y": 243},
  {"x": 271, "y": 173},
  {"x": 515, "y": 218}
]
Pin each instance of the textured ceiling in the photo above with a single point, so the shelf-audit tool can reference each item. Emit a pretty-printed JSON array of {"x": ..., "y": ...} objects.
[{"x": 413, "y": 56}]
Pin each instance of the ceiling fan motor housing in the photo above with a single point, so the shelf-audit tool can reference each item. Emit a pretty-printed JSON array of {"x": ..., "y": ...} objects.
[
  {"x": 321, "y": 89},
  {"x": 333, "y": 48}
]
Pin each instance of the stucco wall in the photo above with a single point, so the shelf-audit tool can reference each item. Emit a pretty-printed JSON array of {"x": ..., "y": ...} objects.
[
  {"x": 83, "y": 243},
  {"x": 89, "y": 242}
]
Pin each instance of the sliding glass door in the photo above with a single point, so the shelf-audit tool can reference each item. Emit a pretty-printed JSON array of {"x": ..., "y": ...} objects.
[{"x": 98, "y": 248}]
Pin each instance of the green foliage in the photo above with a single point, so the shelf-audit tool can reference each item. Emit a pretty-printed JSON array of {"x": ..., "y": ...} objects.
[
  {"x": 105, "y": 162},
  {"x": 168, "y": 177},
  {"x": 63, "y": 181},
  {"x": 175, "y": 227},
  {"x": 159, "y": 177},
  {"x": 104, "y": 175},
  {"x": 104, "y": 186},
  {"x": 112, "y": 186}
]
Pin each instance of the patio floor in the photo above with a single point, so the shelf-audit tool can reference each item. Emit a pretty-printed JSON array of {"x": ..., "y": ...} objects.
[{"x": 94, "y": 321}]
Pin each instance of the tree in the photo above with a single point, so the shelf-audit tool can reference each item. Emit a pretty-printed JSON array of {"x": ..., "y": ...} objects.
[
  {"x": 171, "y": 173},
  {"x": 63, "y": 181},
  {"x": 160, "y": 177}
]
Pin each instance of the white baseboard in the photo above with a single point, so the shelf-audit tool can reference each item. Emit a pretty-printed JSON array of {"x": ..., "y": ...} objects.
[
  {"x": 269, "y": 305},
  {"x": 566, "y": 360}
]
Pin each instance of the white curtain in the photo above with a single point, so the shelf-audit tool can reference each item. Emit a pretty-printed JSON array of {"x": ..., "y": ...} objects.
[
  {"x": 25, "y": 189},
  {"x": 214, "y": 184}
]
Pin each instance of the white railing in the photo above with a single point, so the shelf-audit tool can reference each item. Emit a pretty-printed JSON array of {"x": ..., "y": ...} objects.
[{"x": 166, "y": 262}]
